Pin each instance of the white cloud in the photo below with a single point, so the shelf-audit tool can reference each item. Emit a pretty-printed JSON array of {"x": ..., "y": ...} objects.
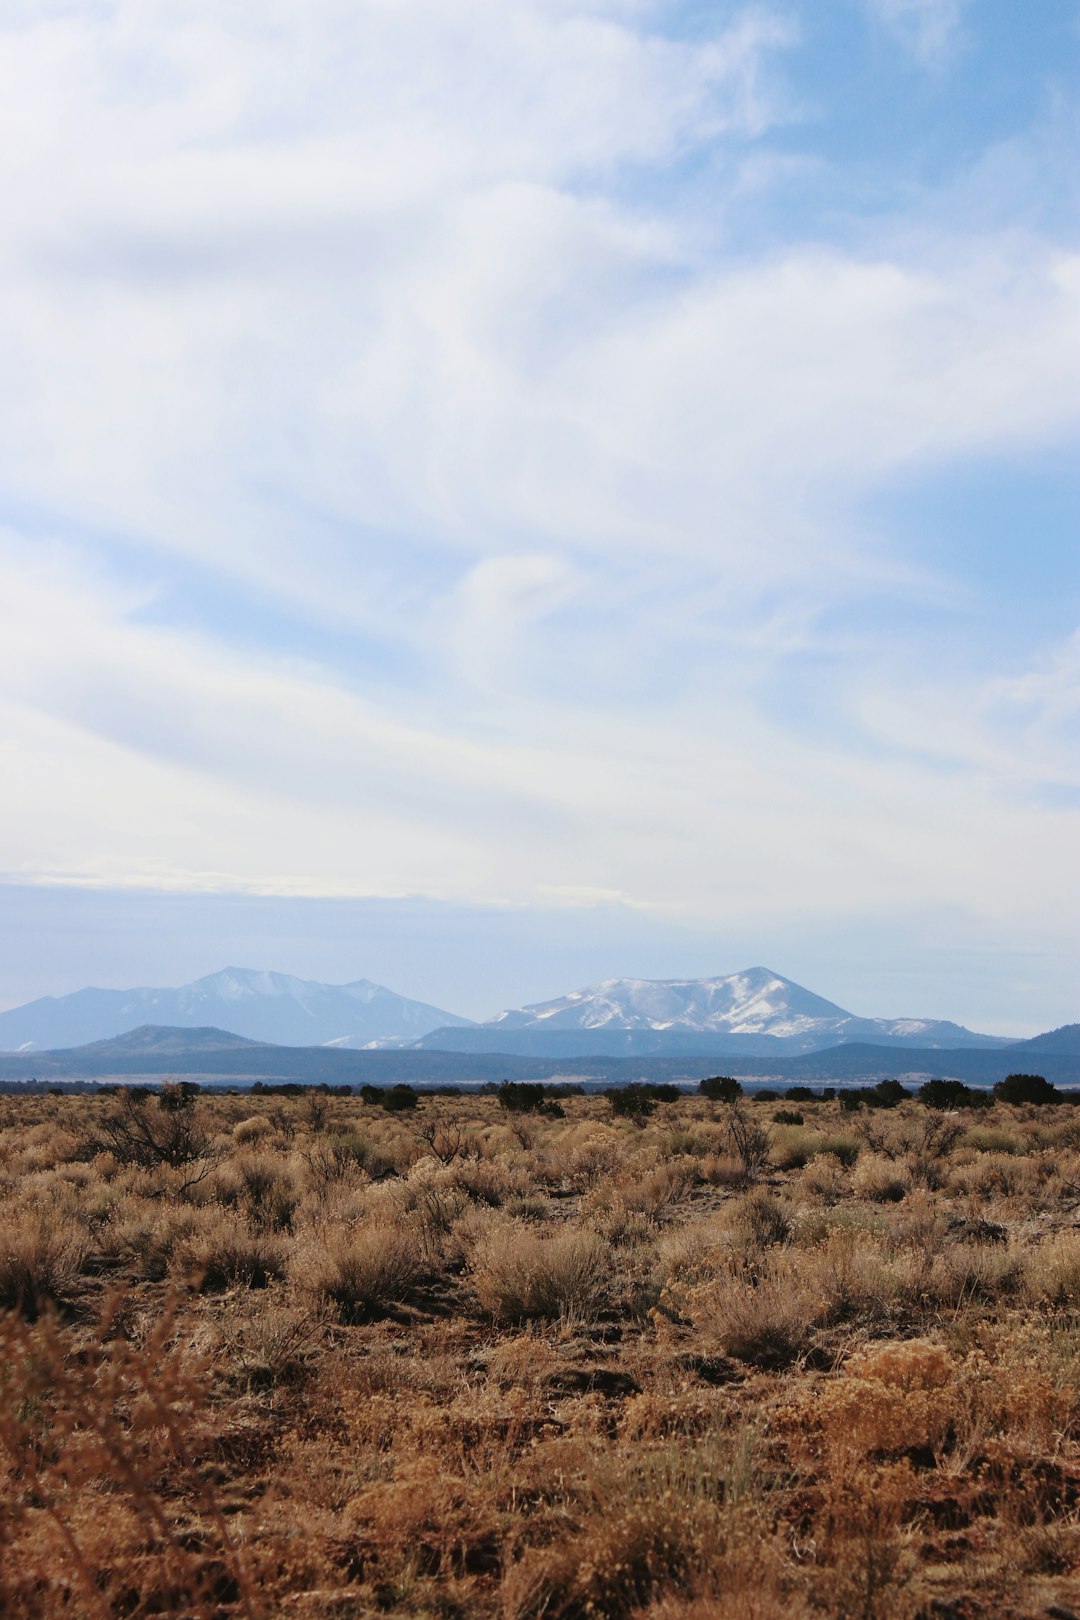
[
  {"x": 929, "y": 29},
  {"x": 136, "y": 757},
  {"x": 354, "y": 307}
]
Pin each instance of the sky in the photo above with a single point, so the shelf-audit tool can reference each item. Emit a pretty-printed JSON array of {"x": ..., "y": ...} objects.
[{"x": 496, "y": 494}]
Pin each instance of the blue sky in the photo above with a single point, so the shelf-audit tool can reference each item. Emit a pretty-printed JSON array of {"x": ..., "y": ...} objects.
[{"x": 596, "y": 482}]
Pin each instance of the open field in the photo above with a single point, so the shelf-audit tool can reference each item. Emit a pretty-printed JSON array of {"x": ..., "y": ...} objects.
[{"x": 302, "y": 1356}]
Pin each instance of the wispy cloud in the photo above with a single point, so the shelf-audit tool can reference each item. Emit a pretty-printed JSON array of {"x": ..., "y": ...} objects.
[
  {"x": 416, "y": 485},
  {"x": 929, "y": 29}
]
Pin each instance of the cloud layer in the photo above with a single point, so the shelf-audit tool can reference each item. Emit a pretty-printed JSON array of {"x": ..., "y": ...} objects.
[{"x": 436, "y": 466}]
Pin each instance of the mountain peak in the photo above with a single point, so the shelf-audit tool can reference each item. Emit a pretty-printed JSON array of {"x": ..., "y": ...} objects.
[
  {"x": 256, "y": 1003},
  {"x": 755, "y": 1008}
]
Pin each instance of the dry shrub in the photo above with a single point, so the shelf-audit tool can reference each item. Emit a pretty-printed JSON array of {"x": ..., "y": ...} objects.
[
  {"x": 888, "y": 1401},
  {"x": 40, "y": 1264},
  {"x": 265, "y": 1343},
  {"x": 225, "y": 1253},
  {"x": 338, "y": 1155},
  {"x": 792, "y": 1148},
  {"x": 520, "y": 1274},
  {"x": 866, "y": 1553},
  {"x": 429, "y": 1201},
  {"x": 992, "y": 1176},
  {"x": 722, "y": 1170},
  {"x": 967, "y": 1272},
  {"x": 839, "y": 1146},
  {"x": 526, "y": 1360},
  {"x": 1052, "y": 1271},
  {"x": 254, "y": 1129},
  {"x": 878, "y": 1180},
  {"x": 921, "y": 1224},
  {"x": 489, "y": 1181},
  {"x": 148, "y": 1133},
  {"x": 765, "y": 1320},
  {"x": 147, "y": 1235},
  {"x": 588, "y": 1153},
  {"x": 648, "y": 1194},
  {"x": 662, "y": 1521},
  {"x": 993, "y": 1139},
  {"x": 761, "y": 1220},
  {"x": 694, "y": 1253},
  {"x": 857, "y": 1277},
  {"x": 822, "y": 1182},
  {"x": 695, "y": 1141},
  {"x": 268, "y": 1189},
  {"x": 101, "y": 1462},
  {"x": 363, "y": 1272}
]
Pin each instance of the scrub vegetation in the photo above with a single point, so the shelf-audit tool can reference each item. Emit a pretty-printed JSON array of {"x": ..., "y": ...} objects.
[{"x": 538, "y": 1358}]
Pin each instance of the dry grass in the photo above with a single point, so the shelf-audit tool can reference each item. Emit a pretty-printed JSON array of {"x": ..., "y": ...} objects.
[
  {"x": 520, "y": 1274},
  {"x": 362, "y": 1272},
  {"x": 299, "y": 1357}
]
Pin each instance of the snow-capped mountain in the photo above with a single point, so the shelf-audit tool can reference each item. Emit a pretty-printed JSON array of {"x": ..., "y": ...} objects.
[
  {"x": 263, "y": 1006},
  {"x": 756, "y": 1011}
]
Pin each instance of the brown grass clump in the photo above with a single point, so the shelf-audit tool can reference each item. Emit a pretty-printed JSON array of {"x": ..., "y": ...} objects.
[
  {"x": 364, "y": 1272},
  {"x": 520, "y": 1274},
  {"x": 763, "y": 1317},
  {"x": 40, "y": 1264},
  {"x": 225, "y": 1254}
]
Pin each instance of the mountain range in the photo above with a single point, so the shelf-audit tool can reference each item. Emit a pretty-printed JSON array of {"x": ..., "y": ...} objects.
[
  {"x": 753, "y": 1013},
  {"x": 263, "y": 1006},
  {"x": 757, "y": 1013}
]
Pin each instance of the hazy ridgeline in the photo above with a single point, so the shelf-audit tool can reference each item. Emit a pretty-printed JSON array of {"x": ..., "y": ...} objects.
[{"x": 272, "y": 1355}]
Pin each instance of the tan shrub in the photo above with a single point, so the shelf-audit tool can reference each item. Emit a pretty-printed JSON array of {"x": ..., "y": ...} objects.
[
  {"x": 991, "y": 1175},
  {"x": 722, "y": 1170},
  {"x": 362, "y": 1272},
  {"x": 857, "y": 1277},
  {"x": 994, "y": 1139},
  {"x": 41, "y": 1263},
  {"x": 225, "y": 1253},
  {"x": 888, "y": 1400},
  {"x": 520, "y": 1274},
  {"x": 648, "y": 1194},
  {"x": 879, "y": 1180},
  {"x": 147, "y": 1235},
  {"x": 822, "y": 1182},
  {"x": 839, "y": 1145},
  {"x": 792, "y": 1148},
  {"x": 490, "y": 1181},
  {"x": 966, "y": 1272},
  {"x": 763, "y": 1318},
  {"x": 1052, "y": 1271},
  {"x": 694, "y": 1253},
  {"x": 253, "y": 1129},
  {"x": 588, "y": 1153},
  {"x": 761, "y": 1220}
]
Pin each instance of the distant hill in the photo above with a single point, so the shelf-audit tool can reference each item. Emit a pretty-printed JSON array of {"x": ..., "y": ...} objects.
[
  {"x": 156, "y": 1041},
  {"x": 1065, "y": 1040},
  {"x": 272, "y": 1007},
  {"x": 756, "y": 1013},
  {"x": 153, "y": 1053},
  {"x": 217, "y": 1055}
]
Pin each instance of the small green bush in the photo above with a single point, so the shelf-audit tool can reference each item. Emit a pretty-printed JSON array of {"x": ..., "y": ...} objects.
[
  {"x": 1026, "y": 1088},
  {"x": 952, "y": 1094},
  {"x": 720, "y": 1088}
]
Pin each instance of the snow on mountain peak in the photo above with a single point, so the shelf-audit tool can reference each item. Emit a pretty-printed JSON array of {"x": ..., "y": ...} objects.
[
  {"x": 754, "y": 1002},
  {"x": 252, "y": 1002}
]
